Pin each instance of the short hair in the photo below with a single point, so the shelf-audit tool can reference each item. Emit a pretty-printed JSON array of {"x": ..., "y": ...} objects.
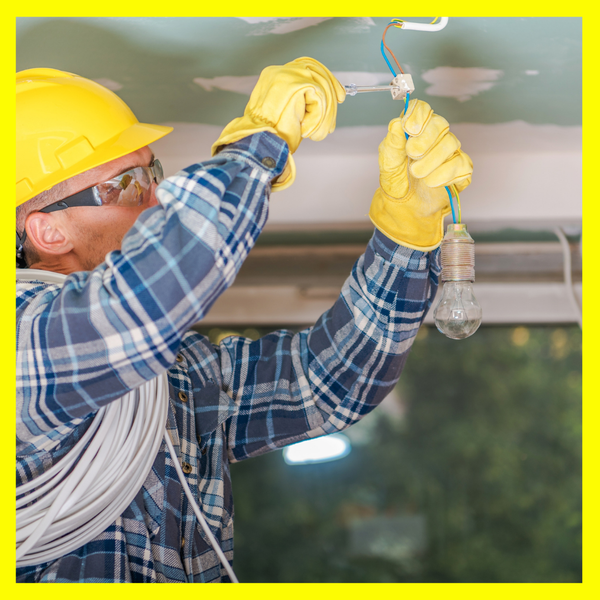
[{"x": 29, "y": 254}]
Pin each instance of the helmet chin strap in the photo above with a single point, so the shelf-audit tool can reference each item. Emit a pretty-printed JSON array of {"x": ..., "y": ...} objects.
[{"x": 21, "y": 262}]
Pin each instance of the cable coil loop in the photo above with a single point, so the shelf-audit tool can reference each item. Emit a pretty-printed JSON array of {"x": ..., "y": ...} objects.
[{"x": 93, "y": 484}]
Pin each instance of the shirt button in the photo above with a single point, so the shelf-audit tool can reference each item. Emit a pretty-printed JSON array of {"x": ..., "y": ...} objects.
[
  {"x": 186, "y": 468},
  {"x": 179, "y": 358},
  {"x": 182, "y": 542},
  {"x": 183, "y": 396},
  {"x": 204, "y": 450},
  {"x": 268, "y": 162}
]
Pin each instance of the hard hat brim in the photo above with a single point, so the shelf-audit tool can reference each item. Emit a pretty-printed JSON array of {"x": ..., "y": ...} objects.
[{"x": 131, "y": 139}]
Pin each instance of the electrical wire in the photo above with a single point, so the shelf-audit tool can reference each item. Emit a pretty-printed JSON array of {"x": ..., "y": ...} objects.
[
  {"x": 93, "y": 484},
  {"x": 458, "y": 203},
  {"x": 84, "y": 492},
  {"x": 386, "y": 60},
  {"x": 199, "y": 515},
  {"x": 383, "y": 44},
  {"x": 566, "y": 250},
  {"x": 451, "y": 204},
  {"x": 395, "y": 22},
  {"x": 407, "y": 100}
]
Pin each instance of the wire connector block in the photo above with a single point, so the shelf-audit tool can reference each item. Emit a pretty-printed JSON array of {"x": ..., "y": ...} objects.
[{"x": 401, "y": 86}]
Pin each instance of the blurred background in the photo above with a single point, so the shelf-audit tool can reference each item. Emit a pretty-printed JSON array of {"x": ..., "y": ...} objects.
[{"x": 471, "y": 470}]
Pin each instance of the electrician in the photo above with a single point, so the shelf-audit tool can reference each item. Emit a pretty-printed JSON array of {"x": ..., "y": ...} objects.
[{"x": 145, "y": 259}]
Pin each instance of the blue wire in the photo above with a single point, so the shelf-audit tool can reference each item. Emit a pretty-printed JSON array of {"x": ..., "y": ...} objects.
[
  {"x": 451, "y": 205},
  {"x": 386, "y": 59},
  {"x": 406, "y": 109}
]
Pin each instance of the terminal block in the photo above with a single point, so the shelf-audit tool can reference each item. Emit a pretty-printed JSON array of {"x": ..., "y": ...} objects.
[{"x": 401, "y": 86}]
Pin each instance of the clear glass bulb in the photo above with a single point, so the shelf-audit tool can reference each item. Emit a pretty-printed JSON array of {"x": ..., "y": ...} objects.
[{"x": 458, "y": 314}]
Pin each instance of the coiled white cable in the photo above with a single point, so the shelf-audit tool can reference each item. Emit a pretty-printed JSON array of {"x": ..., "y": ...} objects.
[
  {"x": 91, "y": 487},
  {"x": 83, "y": 493}
]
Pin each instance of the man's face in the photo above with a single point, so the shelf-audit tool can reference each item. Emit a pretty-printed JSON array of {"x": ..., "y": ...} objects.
[{"x": 97, "y": 230}]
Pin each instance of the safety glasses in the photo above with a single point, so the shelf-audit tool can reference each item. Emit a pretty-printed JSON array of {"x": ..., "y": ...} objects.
[{"x": 131, "y": 188}]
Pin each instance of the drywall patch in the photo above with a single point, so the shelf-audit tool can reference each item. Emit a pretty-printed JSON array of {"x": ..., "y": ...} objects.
[
  {"x": 355, "y": 25},
  {"x": 281, "y": 25},
  {"x": 109, "y": 83},
  {"x": 241, "y": 84},
  {"x": 460, "y": 83},
  {"x": 253, "y": 20}
]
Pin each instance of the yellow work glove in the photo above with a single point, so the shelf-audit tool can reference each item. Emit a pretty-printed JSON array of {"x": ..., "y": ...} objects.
[
  {"x": 293, "y": 101},
  {"x": 410, "y": 205}
]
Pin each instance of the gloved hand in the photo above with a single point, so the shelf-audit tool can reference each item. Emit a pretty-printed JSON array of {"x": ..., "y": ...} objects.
[
  {"x": 410, "y": 205},
  {"x": 293, "y": 101}
]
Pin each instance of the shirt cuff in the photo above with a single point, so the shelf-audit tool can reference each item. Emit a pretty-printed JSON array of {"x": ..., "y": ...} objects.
[
  {"x": 401, "y": 256},
  {"x": 267, "y": 151}
]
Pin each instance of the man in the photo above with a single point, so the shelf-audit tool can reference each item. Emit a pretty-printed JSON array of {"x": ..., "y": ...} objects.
[{"x": 145, "y": 259}]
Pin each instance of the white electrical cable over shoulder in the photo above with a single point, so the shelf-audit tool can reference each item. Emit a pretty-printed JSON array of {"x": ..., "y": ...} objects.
[
  {"x": 90, "y": 487},
  {"x": 568, "y": 276}
]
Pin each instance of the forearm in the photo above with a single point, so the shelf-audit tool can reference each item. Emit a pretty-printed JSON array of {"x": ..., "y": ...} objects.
[
  {"x": 209, "y": 219},
  {"x": 370, "y": 330},
  {"x": 327, "y": 377}
]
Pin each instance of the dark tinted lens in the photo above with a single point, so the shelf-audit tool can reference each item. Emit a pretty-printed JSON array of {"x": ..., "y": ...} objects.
[{"x": 158, "y": 171}]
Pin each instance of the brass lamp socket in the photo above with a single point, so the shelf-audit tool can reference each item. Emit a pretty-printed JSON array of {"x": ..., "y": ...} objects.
[{"x": 458, "y": 254}]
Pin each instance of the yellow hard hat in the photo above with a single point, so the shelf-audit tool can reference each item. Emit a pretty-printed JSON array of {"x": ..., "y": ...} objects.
[{"x": 67, "y": 124}]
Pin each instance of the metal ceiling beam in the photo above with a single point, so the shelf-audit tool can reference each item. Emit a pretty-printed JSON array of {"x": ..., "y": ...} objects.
[{"x": 294, "y": 285}]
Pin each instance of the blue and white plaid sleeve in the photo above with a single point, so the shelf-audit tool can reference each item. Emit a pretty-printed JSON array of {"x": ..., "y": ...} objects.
[
  {"x": 109, "y": 330},
  {"x": 290, "y": 387}
]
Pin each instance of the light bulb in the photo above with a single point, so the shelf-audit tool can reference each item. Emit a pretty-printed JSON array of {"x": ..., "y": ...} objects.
[{"x": 458, "y": 314}]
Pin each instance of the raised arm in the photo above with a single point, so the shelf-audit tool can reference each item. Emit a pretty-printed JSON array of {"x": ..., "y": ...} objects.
[
  {"x": 109, "y": 330},
  {"x": 291, "y": 387}
]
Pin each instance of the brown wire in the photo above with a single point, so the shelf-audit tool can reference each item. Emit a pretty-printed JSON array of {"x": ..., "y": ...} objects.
[{"x": 386, "y": 46}]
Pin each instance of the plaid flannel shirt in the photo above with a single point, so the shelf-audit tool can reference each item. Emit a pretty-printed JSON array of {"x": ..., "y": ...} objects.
[{"x": 107, "y": 331}]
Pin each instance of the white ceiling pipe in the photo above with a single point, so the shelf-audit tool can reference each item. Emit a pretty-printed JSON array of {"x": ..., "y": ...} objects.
[{"x": 426, "y": 26}]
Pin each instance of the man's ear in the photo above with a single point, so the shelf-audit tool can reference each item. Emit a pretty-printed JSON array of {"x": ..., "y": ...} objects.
[{"x": 46, "y": 233}]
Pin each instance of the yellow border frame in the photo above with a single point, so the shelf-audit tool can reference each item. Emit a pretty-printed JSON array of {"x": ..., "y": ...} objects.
[{"x": 591, "y": 210}]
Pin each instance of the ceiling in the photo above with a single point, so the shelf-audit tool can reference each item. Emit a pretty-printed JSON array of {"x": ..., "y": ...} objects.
[
  {"x": 510, "y": 87},
  {"x": 189, "y": 69}
]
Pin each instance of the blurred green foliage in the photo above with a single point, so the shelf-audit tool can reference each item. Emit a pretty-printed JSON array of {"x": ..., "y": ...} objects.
[{"x": 483, "y": 448}]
